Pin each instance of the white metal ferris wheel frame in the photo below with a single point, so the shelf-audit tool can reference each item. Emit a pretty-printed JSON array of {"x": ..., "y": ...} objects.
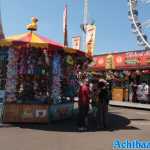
[{"x": 131, "y": 7}]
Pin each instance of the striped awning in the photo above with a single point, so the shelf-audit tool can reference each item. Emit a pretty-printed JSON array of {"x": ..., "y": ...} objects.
[
  {"x": 31, "y": 38},
  {"x": 34, "y": 40}
]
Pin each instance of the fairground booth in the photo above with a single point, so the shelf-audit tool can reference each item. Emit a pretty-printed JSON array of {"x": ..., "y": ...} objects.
[
  {"x": 38, "y": 78},
  {"x": 124, "y": 71}
]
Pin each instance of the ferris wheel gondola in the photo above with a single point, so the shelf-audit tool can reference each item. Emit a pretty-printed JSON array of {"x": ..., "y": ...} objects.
[{"x": 137, "y": 26}]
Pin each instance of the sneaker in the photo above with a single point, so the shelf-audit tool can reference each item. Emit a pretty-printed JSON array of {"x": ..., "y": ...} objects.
[
  {"x": 99, "y": 128},
  {"x": 81, "y": 129},
  {"x": 85, "y": 129}
]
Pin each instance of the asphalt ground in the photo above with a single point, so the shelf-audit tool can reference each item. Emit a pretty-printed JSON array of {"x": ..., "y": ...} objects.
[{"x": 63, "y": 135}]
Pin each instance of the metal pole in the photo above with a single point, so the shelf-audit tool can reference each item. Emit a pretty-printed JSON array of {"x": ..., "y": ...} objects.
[
  {"x": 1, "y": 26},
  {"x": 85, "y": 21}
]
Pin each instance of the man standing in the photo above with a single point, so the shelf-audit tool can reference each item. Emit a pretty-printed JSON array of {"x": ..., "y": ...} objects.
[
  {"x": 83, "y": 105},
  {"x": 102, "y": 105}
]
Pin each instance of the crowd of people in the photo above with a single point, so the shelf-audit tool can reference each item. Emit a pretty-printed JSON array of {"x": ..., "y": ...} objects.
[{"x": 96, "y": 94}]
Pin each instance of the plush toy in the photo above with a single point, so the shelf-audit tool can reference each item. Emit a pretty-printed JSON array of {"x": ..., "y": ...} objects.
[
  {"x": 21, "y": 88},
  {"x": 31, "y": 69},
  {"x": 46, "y": 57},
  {"x": 69, "y": 60},
  {"x": 10, "y": 97}
]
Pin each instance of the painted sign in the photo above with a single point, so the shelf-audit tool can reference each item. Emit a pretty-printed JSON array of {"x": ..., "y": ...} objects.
[
  {"x": 40, "y": 113},
  {"x": 62, "y": 111},
  {"x": 28, "y": 113}
]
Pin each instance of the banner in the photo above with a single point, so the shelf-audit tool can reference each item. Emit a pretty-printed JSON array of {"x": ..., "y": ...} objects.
[
  {"x": 76, "y": 42},
  {"x": 90, "y": 38},
  {"x": 124, "y": 60}
]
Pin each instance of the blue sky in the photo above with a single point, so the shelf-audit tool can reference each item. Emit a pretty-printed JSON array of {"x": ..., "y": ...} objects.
[{"x": 111, "y": 17}]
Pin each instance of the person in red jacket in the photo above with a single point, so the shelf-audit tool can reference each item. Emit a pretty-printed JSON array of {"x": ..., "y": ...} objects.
[{"x": 83, "y": 105}]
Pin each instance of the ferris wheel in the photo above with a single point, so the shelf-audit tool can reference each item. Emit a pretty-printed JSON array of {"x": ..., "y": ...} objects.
[{"x": 137, "y": 14}]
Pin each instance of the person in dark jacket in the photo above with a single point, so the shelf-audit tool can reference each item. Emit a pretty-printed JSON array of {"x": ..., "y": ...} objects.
[{"x": 102, "y": 105}]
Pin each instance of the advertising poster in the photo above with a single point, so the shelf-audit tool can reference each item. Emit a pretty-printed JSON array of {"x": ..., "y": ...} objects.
[
  {"x": 90, "y": 39},
  {"x": 76, "y": 42}
]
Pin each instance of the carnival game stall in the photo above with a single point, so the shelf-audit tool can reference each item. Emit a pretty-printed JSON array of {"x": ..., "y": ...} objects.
[
  {"x": 124, "y": 71},
  {"x": 38, "y": 77}
]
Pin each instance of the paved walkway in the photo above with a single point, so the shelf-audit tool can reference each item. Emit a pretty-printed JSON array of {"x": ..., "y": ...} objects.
[
  {"x": 130, "y": 105},
  {"x": 123, "y": 124}
]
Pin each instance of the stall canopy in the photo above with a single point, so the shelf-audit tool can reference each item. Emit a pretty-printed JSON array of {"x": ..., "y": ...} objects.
[
  {"x": 31, "y": 38},
  {"x": 37, "y": 41}
]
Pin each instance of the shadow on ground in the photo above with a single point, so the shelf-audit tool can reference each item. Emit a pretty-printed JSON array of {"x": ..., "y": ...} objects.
[{"x": 115, "y": 122}]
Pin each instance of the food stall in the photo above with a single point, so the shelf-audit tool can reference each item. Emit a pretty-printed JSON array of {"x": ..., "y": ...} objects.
[
  {"x": 123, "y": 69},
  {"x": 38, "y": 77}
]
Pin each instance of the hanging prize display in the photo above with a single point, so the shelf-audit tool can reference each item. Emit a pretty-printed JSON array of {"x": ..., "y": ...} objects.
[
  {"x": 39, "y": 77},
  {"x": 56, "y": 80}
]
